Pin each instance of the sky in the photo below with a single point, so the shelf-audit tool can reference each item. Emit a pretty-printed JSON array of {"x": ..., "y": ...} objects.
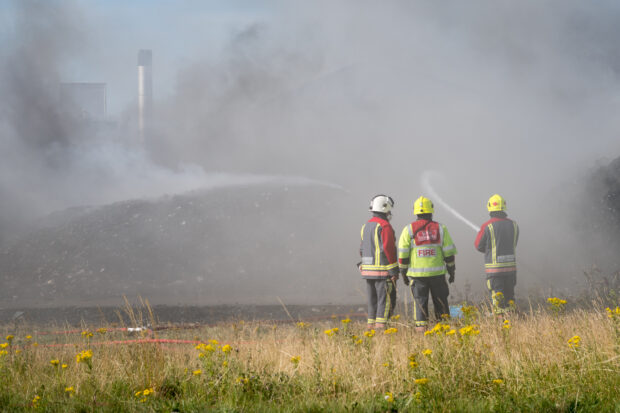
[{"x": 518, "y": 98}]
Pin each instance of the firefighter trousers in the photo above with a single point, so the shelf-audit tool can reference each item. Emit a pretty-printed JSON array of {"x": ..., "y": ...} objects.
[
  {"x": 439, "y": 291},
  {"x": 381, "y": 300},
  {"x": 502, "y": 291}
]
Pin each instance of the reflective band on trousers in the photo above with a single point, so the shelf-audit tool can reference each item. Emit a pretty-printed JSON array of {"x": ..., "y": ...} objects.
[{"x": 427, "y": 269}]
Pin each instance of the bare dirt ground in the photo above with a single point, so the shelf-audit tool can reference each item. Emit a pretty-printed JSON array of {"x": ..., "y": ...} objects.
[{"x": 173, "y": 315}]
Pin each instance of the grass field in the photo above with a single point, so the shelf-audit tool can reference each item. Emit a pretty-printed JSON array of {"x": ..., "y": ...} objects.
[{"x": 544, "y": 360}]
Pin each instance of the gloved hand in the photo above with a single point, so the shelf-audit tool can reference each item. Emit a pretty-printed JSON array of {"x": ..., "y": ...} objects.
[
  {"x": 406, "y": 280},
  {"x": 394, "y": 278},
  {"x": 451, "y": 271}
]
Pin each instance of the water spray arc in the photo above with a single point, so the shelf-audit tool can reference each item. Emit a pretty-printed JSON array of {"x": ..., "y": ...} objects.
[{"x": 426, "y": 184}]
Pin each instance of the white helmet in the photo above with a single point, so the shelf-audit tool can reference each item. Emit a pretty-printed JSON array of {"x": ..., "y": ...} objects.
[{"x": 382, "y": 203}]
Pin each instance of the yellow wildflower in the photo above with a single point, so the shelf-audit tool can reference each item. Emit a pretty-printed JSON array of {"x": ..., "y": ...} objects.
[
  {"x": 295, "y": 359},
  {"x": 421, "y": 381},
  {"x": 413, "y": 364},
  {"x": 395, "y": 317},
  {"x": 346, "y": 321},
  {"x": 224, "y": 363},
  {"x": 70, "y": 391},
  {"x": 507, "y": 325},
  {"x": 102, "y": 330},
  {"x": 55, "y": 362},
  {"x": 17, "y": 351},
  {"x": 10, "y": 338},
  {"x": 214, "y": 342},
  {"x": 386, "y": 364},
  {"x": 28, "y": 337},
  {"x": 390, "y": 331},
  {"x": 471, "y": 330},
  {"x": 87, "y": 334},
  {"x": 574, "y": 341},
  {"x": 329, "y": 332},
  {"x": 302, "y": 325},
  {"x": 389, "y": 397},
  {"x": 359, "y": 341},
  {"x": 36, "y": 399},
  {"x": 3, "y": 353},
  {"x": 427, "y": 352},
  {"x": 226, "y": 349},
  {"x": 63, "y": 366},
  {"x": 197, "y": 372},
  {"x": 84, "y": 356},
  {"x": 498, "y": 381},
  {"x": 370, "y": 333},
  {"x": 451, "y": 332},
  {"x": 4, "y": 345}
]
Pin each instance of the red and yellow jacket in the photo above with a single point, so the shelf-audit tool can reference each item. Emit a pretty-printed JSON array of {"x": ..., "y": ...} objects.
[
  {"x": 378, "y": 250},
  {"x": 497, "y": 239}
]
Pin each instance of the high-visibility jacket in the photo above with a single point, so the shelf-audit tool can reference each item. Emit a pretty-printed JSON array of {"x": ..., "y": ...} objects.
[
  {"x": 423, "y": 248},
  {"x": 378, "y": 249},
  {"x": 497, "y": 239}
]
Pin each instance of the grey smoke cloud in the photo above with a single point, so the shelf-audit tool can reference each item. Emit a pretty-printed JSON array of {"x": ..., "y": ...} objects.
[{"x": 517, "y": 98}]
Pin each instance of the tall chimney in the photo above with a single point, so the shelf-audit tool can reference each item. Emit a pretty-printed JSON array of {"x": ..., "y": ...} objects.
[{"x": 145, "y": 93}]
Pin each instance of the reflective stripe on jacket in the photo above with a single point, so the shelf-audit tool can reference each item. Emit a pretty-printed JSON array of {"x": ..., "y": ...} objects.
[
  {"x": 423, "y": 247},
  {"x": 497, "y": 239},
  {"x": 378, "y": 249}
]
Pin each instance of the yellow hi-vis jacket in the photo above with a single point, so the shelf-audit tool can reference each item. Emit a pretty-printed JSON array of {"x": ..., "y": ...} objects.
[{"x": 423, "y": 247}]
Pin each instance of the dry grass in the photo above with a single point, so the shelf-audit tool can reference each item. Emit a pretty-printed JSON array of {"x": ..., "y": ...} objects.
[{"x": 527, "y": 364}]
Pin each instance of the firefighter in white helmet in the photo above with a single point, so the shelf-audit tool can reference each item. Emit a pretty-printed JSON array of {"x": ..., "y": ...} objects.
[
  {"x": 425, "y": 252},
  {"x": 379, "y": 266},
  {"x": 497, "y": 239}
]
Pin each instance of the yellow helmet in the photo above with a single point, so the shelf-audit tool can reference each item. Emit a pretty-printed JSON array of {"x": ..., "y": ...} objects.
[
  {"x": 496, "y": 203},
  {"x": 423, "y": 205}
]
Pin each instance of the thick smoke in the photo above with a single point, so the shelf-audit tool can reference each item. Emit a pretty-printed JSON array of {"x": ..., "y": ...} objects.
[{"x": 517, "y": 98}]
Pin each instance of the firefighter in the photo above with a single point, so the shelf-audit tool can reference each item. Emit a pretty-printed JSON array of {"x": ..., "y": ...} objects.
[
  {"x": 497, "y": 240},
  {"x": 379, "y": 265},
  {"x": 425, "y": 252}
]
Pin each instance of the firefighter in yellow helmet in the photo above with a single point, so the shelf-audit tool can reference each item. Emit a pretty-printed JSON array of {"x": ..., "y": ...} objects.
[
  {"x": 497, "y": 240},
  {"x": 425, "y": 252}
]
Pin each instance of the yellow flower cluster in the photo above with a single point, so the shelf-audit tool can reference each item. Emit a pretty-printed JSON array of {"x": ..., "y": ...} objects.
[
  {"x": 87, "y": 334},
  {"x": 302, "y": 325},
  {"x": 346, "y": 321},
  {"x": 10, "y": 338},
  {"x": 226, "y": 349},
  {"x": 427, "y": 352},
  {"x": 144, "y": 394},
  {"x": 395, "y": 317},
  {"x": 197, "y": 372},
  {"x": 471, "y": 330},
  {"x": 295, "y": 360},
  {"x": 84, "y": 356},
  {"x": 370, "y": 333},
  {"x": 70, "y": 391},
  {"x": 390, "y": 331},
  {"x": 102, "y": 330},
  {"x": 332, "y": 331},
  {"x": 421, "y": 381},
  {"x": 3, "y": 353},
  {"x": 574, "y": 341},
  {"x": 498, "y": 381},
  {"x": 557, "y": 304},
  {"x": 413, "y": 363},
  {"x": 389, "y": 397},
  {"x": 55, "y": 362},
  {"x": 438, "y": 329},
  {"x": 242, "y": 380},
  {"x": 507, "y": 325},
  {"x": 615, "y": 313},
  {"x": 4, "y": 345},
  {"x": 469, "y": 312}
]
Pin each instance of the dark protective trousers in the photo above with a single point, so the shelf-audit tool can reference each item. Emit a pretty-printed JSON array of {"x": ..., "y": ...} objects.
[
  {"x": 381, "y": 300},
  {"x": 502, "y": 291},
  {"x": 438, "y": 288}
]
